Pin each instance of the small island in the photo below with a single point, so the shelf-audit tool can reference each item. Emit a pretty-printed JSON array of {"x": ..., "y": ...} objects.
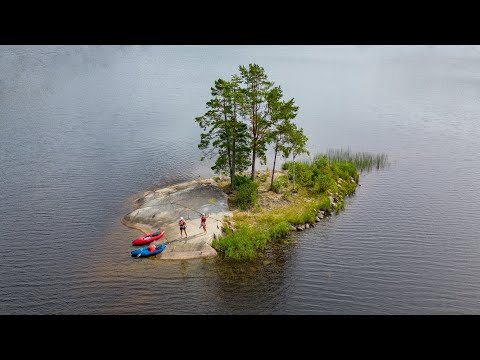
[
  {"x": 248, "y": 208},
  {"x": 274, "y": 215},
  {"x": 240, "y": 227}
]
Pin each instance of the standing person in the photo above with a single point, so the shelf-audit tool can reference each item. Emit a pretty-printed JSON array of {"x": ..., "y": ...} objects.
[
  {"x": 183, "y": 226},
  {"x": 203, "y": 222}
]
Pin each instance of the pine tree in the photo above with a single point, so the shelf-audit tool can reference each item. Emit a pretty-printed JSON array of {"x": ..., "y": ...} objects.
[
  {"x": 226, "y": 136},
  {"x": 281, "y": 114},
  {"x": 254, "y": 108},
  {"x": 295, "y": 145}
]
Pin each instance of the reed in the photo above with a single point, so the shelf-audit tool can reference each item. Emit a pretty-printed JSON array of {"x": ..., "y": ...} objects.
[{"x": 364, "y": 161}]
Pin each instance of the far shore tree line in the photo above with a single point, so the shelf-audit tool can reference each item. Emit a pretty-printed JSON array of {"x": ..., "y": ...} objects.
[{"x": 246, "y": 115}]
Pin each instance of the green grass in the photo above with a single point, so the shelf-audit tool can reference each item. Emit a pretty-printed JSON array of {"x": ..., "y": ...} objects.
[
  {"x": 280, "y": 183},
  {"x": 324, "y": 203},
  {"x": 247, "y": 240},
  {"x": 340, "y": 205},
  {"x": 336, "y": 172},
  {"x": 255, "y": 230},
  {"x": 246, "y": 195},
  {"x": 364, "y": 161}
]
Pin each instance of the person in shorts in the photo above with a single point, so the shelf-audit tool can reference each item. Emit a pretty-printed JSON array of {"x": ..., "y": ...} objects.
[
  {"x": 203, "y": 222},
  {"x": 183, "y": 227}
]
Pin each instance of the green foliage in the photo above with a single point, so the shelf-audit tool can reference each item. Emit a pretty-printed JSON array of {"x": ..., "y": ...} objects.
[
  {"x": 257, "y": 89},
  {"x": 316, "y": 175},
  {"x": 321, "y": 176},
  {"x": 243, "y": 244},
  {"x": 242, "y": 179},
  {"x": 245, "y": 115},
  {"x": 344, "y": 170},
  {"x": 325, "y": 204},
  {"x": 282, "y": 113},
  {"x": 323, "y": 183},
  {"x": 303, "y": 173},
  {"x": 295, "y": 217},
  {"x": 225, "y": 134},
  {"x": 316, "y": 178},
  {"x": 279, "y": 230},
  {"x": 246, "y": 195},
  {"x": 340, "y": 205},
  {"x": 363, "y": 161},
  {"x": 320, "y": 161},
  {"x": 247, "y": 241},
  {"x": 279, "y": 183},
  {"x": 348, "y": 187}
]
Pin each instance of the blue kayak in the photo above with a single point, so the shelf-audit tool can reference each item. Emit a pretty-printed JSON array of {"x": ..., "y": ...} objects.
[{"x": 145, "y": 251}]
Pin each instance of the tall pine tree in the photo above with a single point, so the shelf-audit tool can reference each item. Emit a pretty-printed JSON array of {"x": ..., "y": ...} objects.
[
  {"x": 282, "y": 114},
  {"x": 255, "y": 109},
  {"x": 295, "y": 144},
  {"x": 225, "y": 135}
]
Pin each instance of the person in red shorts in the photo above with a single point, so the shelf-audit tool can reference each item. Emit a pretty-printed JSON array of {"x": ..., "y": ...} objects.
[{"x": 203, "y": 222}]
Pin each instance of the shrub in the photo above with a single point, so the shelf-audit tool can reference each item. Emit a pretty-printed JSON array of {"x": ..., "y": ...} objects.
[
  {"x": 323, "y": 183},
  {"x": 279, "y": 230},
  {"x": 320, "y": 161},
  {"x": 243, "y": 244},
  {"x": 303, "y": 173},
  {"x": 246, "y": 195},
  {"x": 345, "y": 170},
  {"x": 242, "y": 179},
  {"x": 279, "y": 183}
]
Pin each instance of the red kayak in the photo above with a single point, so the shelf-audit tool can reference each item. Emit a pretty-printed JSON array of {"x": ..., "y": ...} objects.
[{"x": 147, "y": 239}]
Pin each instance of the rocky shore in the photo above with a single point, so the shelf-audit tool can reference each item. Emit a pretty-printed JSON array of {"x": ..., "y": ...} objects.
[{"x": 163, "y": 207}]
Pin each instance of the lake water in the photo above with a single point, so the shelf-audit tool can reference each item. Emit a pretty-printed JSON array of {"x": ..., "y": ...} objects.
[{"x": 86, "y": 129}]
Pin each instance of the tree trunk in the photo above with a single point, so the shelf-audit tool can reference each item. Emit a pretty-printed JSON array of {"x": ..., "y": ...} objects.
[
  {"x": 254, "y": 156},
  {"x": 231, "y": 159},
  {"x": 273, "y": 170},
  {"x": 254, "y": 131},
  {"x": 293, "y": 172},
  {"x": 234, "y": 136},
  {"x": 232, "y": 170},
  {"x": 230, "y": 165}
]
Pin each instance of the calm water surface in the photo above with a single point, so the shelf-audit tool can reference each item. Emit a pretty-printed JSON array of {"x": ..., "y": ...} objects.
[{"x": 85, "y": 129}]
